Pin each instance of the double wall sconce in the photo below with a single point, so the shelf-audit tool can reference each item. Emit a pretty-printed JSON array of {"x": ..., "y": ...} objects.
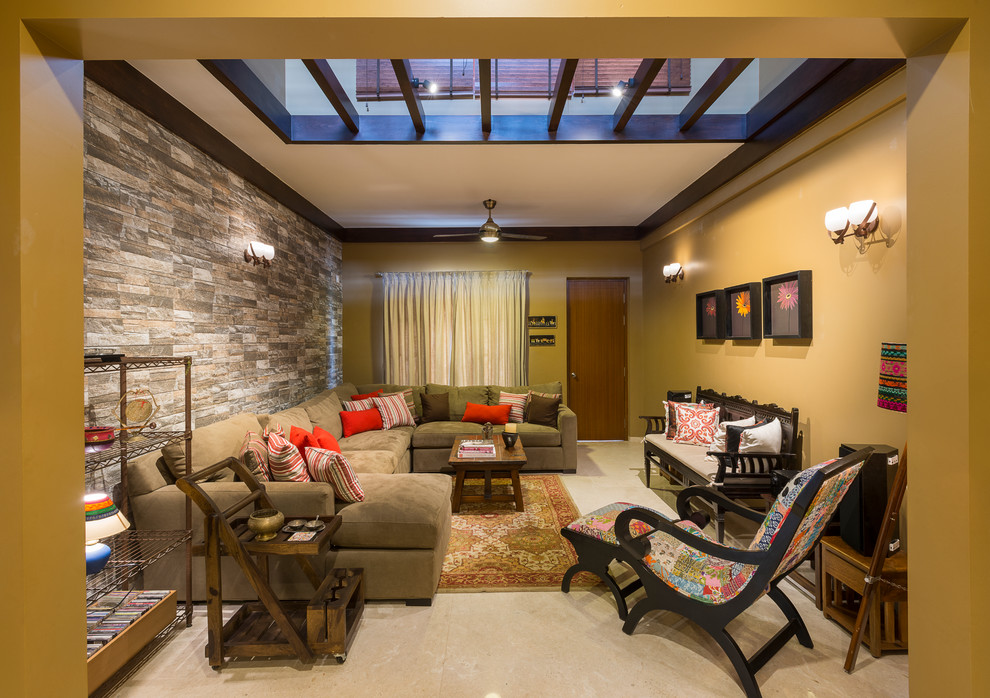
[
  {"x": 861, "y": 219},
  {"x": 620, "y": 87},
  {"x": 259, "y": 253},
  {"x": 431, "y": 86},
  {"x": 672, "y": 272}
]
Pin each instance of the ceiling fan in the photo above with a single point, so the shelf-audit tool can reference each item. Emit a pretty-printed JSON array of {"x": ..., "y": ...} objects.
[{"x": 490, "y": 230}]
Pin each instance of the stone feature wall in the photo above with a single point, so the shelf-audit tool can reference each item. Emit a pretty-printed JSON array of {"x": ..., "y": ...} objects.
[{"x": 166, "y": 228}]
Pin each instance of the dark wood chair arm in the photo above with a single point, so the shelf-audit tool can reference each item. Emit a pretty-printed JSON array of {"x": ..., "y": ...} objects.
[
  {"x": 655, "y": 424},
  {"x": 713, "y": 496},
  {"x": 639, "y": 546}
]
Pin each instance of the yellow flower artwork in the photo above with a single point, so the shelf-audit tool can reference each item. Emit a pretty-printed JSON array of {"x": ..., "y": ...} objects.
[{"x": 742, "y": 303}]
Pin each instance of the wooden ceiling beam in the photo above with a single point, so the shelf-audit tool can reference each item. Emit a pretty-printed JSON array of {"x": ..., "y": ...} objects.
[
  {"x": 561, "y": 90},
  {"x": 802, "y": 81},
  {"x": 403, "y": 74},
  {"x": 841, "y": 85},
  {"x": 643, "y": 80},
  {"x": 238, "y": 77},
  {"x": 485, "y": 79},
  {"x": 335, "y": 93},
  {"x": 717, "y": 83}
]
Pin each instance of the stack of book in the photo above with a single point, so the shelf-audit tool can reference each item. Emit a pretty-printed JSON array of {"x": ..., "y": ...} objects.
[
  {"x": 113, "y": 612},
  {"x": 476, "y": 449}
]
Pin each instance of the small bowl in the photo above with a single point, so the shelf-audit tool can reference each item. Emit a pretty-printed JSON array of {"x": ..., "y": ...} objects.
[
  {"x": 265, "y": 523},
  {"x": 99, "y": 435},
  {"x": 296, "y": 524},
  {"x": 315, "y": 525}
]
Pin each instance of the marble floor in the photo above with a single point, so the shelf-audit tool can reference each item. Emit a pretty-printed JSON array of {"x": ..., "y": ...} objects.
[{"x": 502, "y": 645}]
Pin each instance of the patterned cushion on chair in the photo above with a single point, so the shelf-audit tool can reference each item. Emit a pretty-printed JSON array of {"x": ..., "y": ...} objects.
[
  {"x": 782, "y": 506},
  {"x": 600, "y": 523},
  {"x": 703, "y": 577}
]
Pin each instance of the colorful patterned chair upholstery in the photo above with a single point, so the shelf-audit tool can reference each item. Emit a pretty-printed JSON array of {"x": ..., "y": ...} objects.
[{"x": 685, "y": 571}]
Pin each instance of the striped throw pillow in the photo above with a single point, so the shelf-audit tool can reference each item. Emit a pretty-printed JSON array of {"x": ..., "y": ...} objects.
[
  {"x": 332, "y": 467},
  {"x": 285, "y": 462},
  {"x": 273, "y": 428},
  {"x": 394, "y": 411},
  {"x": 517, "y": 404},
  {"x": 407, "y": 395},
  {"x": 254, "y": 455},
  {"x": 358, "y": 405}
]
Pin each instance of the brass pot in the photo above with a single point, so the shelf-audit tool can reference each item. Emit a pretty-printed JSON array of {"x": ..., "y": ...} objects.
[{"x": 265, "y": 523}]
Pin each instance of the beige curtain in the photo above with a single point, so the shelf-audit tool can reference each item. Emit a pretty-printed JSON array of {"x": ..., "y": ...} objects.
[{"x": 458, "y": 328}]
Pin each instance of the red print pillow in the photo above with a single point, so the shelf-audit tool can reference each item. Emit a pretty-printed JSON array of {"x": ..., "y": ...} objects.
[
  {"x": 496, "y": 414},
  {"x": 362, "y": 420},
  {"x": 696, "y": 424}
]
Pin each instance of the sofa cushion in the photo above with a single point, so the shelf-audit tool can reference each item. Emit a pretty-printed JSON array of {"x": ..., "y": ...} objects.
[
  {"x": 436, "y": 407},
  {"x": 538, "y": 435},
  {"x": 460, "y": 396},
  {"x": 552, "y": 388},
  {"x": 542, "y": 410},
  {"x": 285, "y": 462},
  {"x": 344, "y": 391},
  {"x": 394, "y": 410},
  {"x": 143, "y": 475},
  {"x": 398, "y": 512},
  {"x": 442, "y": 434},
  {"x": 691, "y": 456},
  {"x": 373, "y": 461},
  {"x": 333, "y": 467},
  {"x": 389, "y": 388},
  {"x": 324, "y": 411},
  {"x": 394, "y": 440},
  {"x": 517, "y": 405},
  {"x": 211, "y": 444},
  {"x": 292, "y": 417}
]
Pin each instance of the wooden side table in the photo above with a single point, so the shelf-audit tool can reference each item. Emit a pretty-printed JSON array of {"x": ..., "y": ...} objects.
[
  {"x": 271, "y": 627},
  {"x": 843, "y": 581},
  {"x": 506, "y": 463}
]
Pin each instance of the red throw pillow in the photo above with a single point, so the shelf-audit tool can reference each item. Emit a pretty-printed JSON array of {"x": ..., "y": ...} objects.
[
  {"x": 496, "y": 414},
  {"x": 327, "y": 440},
  {"x": 362, "y": 420},
  {"x": 366, "y": 396}
]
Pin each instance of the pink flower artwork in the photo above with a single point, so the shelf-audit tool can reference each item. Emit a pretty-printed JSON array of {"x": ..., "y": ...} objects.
[
  {"x": 710, "y": 307},
  {"x": 787, "y": 295}
]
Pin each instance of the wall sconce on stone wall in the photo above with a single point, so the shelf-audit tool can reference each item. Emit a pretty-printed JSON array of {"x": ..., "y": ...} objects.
[{"x": 259, "y": 253}]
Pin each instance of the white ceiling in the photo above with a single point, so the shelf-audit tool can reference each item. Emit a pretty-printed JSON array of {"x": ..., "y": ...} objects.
[{"x": 442, "y": 185}]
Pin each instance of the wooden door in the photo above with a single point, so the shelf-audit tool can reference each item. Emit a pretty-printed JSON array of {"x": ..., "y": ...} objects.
[{"x": 596, "y": 357}]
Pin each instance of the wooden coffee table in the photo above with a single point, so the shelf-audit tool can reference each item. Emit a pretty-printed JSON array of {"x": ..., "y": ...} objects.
[{"x": 506, "y": 463}]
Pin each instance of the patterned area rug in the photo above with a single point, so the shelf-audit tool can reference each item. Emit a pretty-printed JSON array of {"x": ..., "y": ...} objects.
[{"x": 495, "y": 548}]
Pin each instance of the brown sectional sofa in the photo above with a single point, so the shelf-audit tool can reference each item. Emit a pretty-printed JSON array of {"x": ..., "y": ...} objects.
[{"x": 398, "y": 534}]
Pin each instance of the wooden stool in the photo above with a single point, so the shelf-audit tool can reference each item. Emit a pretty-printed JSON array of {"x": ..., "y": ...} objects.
[{"x": 843, "y": 580}]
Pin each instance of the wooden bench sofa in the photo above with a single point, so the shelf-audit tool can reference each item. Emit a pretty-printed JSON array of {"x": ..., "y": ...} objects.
[{"x": 736, "y": 475}]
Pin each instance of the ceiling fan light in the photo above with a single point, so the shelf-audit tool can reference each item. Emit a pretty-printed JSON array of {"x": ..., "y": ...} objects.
[{"x": 489, "y": 237}]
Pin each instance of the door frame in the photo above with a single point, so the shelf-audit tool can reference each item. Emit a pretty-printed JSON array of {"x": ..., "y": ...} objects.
[{"x": 625, "y": 342}]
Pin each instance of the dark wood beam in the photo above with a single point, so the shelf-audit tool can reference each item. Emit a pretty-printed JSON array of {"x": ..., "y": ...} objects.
[
  {"x": 839, "y": 88},
  {"x": 582, "y": 128},
  {"x": 327, "y": 81},
  {"x": 644, "y": 77},
  {"x": 127, "y": 83},
  {"x": 565, "y": 76},
  {"x": 802, "y": 81},
  {"x": 403, "y": 74},
  {"x": 485, "y": 80},
  {"x": 553, "y": 234},
  {"x": 717, "y": 83},
  {"x": 237, "y": 77}
]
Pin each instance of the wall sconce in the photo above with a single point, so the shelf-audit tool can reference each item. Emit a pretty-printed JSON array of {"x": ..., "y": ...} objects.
[
  {"x": 862, "y": 219},
  {"x": 259, "y": 253},
  {"x": 430, "y": 86},
  {"x": 672, "y": 272},
  {"x": 620, "y": 87}
]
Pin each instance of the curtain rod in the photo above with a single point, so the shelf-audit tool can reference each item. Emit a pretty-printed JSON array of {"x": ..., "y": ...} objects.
[{"x": 380, "y": 274}]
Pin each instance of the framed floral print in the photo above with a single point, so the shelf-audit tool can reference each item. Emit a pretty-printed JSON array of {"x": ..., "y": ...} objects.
[
  {"x": 710, "y": 314},
  {"x": 787, "y": 305},
  {"x": 743, "y": 319}
]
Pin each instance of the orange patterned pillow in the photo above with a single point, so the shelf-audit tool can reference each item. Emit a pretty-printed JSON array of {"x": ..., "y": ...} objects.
[{"x": 696, "y": 424}]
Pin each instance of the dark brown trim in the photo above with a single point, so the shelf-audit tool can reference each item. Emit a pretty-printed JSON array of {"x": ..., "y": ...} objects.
[
  {"x": 839, "y": 88},
  {"x": 485, "y": 80},
  {"x": 804, "y": 80},
  {"x": 648, "y": 128},
  {"x": 403, "y": 74},
  {"x": 127, "y": 83},
  {"x": 237, "y": 77},
  {"x": 327, "y": 81},
  {"x": 644, "y": 77},
  {"x": 717, "y": 83},
  {"x": 561, "y": 90},
  {"x": 553, "y": 234}
]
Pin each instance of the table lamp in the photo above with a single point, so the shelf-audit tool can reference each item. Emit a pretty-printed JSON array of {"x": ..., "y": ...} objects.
[{"x": 103, "y": 519}]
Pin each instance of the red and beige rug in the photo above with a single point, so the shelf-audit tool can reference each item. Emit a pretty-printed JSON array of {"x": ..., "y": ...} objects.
[{"x": 495, "y": 548}]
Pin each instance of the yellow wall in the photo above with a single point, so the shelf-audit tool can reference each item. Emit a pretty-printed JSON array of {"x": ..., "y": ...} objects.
[
  {"x": 858, "y": 300},
  {"x": 550, "y": 264},
  {"x": 948, "y": 132}
]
